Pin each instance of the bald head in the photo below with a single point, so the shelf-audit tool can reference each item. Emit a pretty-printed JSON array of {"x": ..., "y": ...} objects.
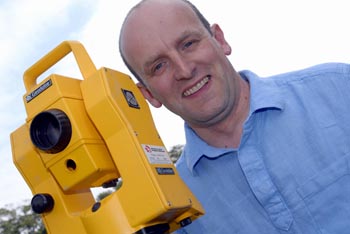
[{"x": 147, "y": 11}]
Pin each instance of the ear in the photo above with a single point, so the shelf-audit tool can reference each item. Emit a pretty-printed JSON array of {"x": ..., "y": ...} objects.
[
  {"x": 148, "y": 95},
  {"x": 218, "y": 34}
]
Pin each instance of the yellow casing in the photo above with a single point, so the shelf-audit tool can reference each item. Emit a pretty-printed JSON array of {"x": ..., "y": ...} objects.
[{"x": 113, "y": 136}]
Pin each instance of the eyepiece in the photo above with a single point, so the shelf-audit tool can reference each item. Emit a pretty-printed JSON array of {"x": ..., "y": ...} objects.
[{"x": 51, "y": 131}]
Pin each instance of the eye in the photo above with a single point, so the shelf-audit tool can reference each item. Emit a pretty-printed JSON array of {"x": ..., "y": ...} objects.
[
  {"x": 158, "y": 67},
  {"x": 188, "y": 44}
]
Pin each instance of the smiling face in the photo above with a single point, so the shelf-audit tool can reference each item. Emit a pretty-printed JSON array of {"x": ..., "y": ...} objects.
[{"x": 182, "y": 65}]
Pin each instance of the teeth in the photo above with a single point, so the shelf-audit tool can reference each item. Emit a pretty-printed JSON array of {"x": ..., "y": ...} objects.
[{"x": 197, "y": 87}]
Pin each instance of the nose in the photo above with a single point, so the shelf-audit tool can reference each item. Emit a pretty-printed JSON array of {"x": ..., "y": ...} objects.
[{"x": 184, "y": 69}]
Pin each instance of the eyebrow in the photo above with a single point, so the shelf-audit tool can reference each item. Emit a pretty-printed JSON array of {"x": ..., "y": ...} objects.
[{"x": 186, "y": 34}]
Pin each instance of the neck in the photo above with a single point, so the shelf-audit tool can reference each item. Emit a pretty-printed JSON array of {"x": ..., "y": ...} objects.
[{"x": 228, "y": 133}]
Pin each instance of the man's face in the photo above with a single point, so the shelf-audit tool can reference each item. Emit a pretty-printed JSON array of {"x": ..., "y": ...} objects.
[{"x": 183, "y": 66}]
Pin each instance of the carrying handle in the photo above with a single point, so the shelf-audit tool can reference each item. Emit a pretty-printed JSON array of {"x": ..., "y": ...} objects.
[{"x": 86, "y": 66}]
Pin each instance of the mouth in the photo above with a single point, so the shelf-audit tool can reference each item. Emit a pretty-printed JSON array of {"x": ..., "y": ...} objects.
[{"x": 197, "y": 86}]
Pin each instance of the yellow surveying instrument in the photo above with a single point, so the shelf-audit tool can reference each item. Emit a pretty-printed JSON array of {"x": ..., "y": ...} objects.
[{"x": 92, "y": 132}]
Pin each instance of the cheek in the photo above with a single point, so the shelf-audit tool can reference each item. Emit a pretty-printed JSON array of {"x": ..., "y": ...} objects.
[
  {"x": 164, "y": 82},
  {"x": 161, "y": 89},
  {"x": 210, "y": 49}
]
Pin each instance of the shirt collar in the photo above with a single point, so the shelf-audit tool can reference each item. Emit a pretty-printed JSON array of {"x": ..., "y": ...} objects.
[
  {"x": 264, "y": 94},
  {"x": 196, "y": 148}
]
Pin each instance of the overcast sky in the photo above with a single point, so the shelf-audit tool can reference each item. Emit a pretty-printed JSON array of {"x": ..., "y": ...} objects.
[{"x": 267, "y": 37}]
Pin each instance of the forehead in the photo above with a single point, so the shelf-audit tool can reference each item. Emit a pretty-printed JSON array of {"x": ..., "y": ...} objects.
[
  {"x": 154, "y": 25},
  {"x": 159, "y": 13}
]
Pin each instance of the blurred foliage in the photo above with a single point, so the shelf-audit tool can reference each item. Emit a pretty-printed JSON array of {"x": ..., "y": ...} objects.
[
  {"x": 20, "y": 220},
  {"x": 175, "y": 152}
]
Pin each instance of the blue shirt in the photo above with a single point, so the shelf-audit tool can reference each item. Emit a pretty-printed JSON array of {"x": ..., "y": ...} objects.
[{"x": 291, "y": 171}]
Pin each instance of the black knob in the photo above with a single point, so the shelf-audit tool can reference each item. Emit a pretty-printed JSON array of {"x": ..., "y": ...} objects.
[{"x": 42, "y": 203}]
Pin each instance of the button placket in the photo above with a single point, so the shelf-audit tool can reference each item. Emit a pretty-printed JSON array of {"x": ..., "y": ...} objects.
[{"x": 263, "y": 188}]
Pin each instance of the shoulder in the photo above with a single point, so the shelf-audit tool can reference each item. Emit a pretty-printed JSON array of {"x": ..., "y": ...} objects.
[{"x": 325, "y": 71}]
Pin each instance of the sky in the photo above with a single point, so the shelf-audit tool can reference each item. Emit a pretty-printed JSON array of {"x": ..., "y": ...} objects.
[{"x": 267, "y": 37}]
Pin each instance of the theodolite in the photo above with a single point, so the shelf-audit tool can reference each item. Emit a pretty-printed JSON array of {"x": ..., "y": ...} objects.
[{"x": 92, "y": 132}]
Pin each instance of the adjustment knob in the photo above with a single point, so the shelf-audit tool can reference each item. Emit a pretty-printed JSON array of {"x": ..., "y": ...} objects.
[{"x": 42, "y": 203}]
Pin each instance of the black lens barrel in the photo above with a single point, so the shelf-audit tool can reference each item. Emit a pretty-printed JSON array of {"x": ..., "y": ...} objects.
[{"x": 51, "y": 131}]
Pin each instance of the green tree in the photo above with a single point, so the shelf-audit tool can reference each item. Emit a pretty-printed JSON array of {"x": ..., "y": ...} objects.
[
  {"x": 20, "y": 220},
  {"x": 175, "y": 152}
]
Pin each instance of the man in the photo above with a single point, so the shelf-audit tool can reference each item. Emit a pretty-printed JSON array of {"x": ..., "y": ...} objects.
[{"x": 263, "y": 156}]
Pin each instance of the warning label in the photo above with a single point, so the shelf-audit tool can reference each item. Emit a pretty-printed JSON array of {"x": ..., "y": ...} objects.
[{"x": 156, "y": 154}]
